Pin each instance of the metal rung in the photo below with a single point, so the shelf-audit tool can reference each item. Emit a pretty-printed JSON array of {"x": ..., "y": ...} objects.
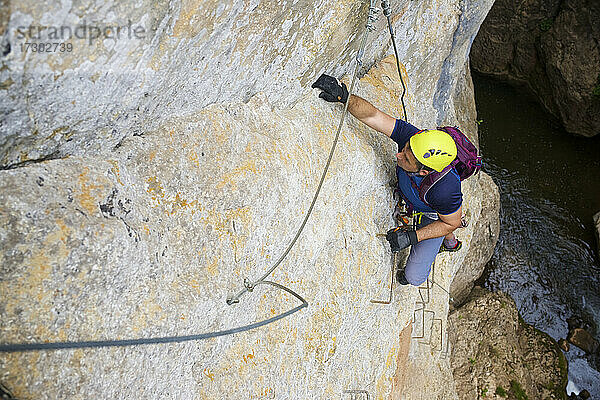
[{"x": 422, "y": 309}]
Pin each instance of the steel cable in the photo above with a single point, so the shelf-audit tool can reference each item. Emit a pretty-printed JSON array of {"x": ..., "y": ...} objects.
[
  {"x": 248, "y": 286},
  {"x": 21, "y": 347}
]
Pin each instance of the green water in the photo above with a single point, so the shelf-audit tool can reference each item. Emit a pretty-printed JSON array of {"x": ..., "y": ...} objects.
[
  {"x": 549, "y": 185},
  {"x": 554, "y": 164}
]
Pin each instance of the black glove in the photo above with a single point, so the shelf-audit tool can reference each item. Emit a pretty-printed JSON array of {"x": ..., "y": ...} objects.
[
  {"x": 332, "y": 90},
  {"x": 401, "y": 238}
]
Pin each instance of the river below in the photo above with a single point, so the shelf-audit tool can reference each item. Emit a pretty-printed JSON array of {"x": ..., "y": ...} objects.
[{"x": 549, "y": 185}]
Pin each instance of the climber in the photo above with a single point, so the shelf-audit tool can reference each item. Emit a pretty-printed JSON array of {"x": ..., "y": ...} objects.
[{"x": 417, "y": 157}]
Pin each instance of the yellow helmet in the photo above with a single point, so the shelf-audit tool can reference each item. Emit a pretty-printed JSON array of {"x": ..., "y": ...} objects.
[{"x": 434, "y": 149}]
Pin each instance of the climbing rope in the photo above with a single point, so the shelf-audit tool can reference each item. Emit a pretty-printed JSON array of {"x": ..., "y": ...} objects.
[{"x": 248, "y": 285}]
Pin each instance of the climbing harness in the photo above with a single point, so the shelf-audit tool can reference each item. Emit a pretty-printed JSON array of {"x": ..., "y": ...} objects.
[
  {"x": 404, "y": 213},
  {"x": 248, "y": 285}
]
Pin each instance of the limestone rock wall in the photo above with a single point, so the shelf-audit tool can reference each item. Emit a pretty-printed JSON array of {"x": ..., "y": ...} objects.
[
  {"x": 145, "y": 179},
  {"x": 187, "y": 54},
  {"x": 487, "y": 229},
  {"x": 553, "y": 47}
]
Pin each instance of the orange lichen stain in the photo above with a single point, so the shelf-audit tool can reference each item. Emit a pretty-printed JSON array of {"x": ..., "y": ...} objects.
[
  {"x": 39, "y": 271},
  {"x": 391, "y": 357},
  {"x": 87, "y": 196},
  {"x": 340, "y": 261},
  {"x": 155, "y": 189},
  {"x": 146, "y": 229},
  {"x": 213, "y": 267},
  {"x": 222, "y": 223},
  {"x": 325, "y": 142},
  {"x": 380, "y": 77},
  {"x": 208, "y": 374},
  {"x": 115, "y": 170},
  {"x": 194, "y": 283},
  {"x": 187, "y": 20},
  {"x": 151, "y": 155},
  {"x": 265, "y": 392},
  {"x": 12, "y": 371},
  {"x": 248, "y": 357},
  {"x": 317, "y": 341},
  {"x": 148, "y": 310},
  {"x": 333, "y": 346},
  {"x": 384, "y": 384},
  {"x": 75, "y": 360},
  {"x": 182, "y": 317},
  {"x": 180, "y": 203},
  {"x": 43, "y": 332},
  {"x": 65, "y": 231},
  {"x": 194, "y": 158},
  {"x": 53, "y": 250},
  {"x": 248, "y": 166},
  {"x": 61, "y": 335}
]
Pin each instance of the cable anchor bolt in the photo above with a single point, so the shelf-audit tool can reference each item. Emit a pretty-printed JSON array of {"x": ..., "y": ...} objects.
[
  {"x": 248, "y": 285},
  {"x": 387, "y": 10}
]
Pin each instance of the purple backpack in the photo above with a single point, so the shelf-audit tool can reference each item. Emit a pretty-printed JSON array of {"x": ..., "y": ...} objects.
[{"x": 466, "y": 163}]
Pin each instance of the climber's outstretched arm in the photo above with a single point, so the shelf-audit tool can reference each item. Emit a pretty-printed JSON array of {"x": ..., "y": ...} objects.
[{"x": 368, "y": 114}]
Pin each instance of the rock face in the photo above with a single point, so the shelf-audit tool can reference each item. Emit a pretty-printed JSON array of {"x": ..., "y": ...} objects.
[
  {"x": 584, "y": 340},
  {"x": 487, "y": 229},
  {"x": 553, "y": 47},
  {"x": 146, "y": 178},
  {"x": 495, "y": 354}
]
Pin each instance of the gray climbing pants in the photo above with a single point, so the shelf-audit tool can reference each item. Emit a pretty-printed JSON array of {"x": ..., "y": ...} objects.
[{"x": 421, "y": 257}]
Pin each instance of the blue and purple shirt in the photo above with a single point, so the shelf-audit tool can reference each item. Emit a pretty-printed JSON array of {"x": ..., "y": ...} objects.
[{"x": 445, "y": 197}]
